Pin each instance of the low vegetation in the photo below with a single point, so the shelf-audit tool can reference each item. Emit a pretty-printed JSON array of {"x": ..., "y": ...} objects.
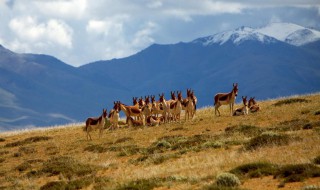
[{"x": 269, "y": 149}]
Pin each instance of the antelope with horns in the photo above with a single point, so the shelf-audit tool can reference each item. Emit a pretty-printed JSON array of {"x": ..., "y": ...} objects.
[
  {"x": 94, "y": 123},
  {"x": 244, "y": 109},
  {"x": 225, "y": 99}
]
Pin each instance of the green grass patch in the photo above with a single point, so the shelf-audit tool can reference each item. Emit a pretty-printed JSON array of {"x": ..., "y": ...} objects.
[
  {"x": 155, "y": 158},
  {"x": 141, "y": 184},
  {"x": 291, "y": 101},
  {"x": 227, "y": 180},
  {"x": 298, "y": 172},
  {"x": 293, "y": 125},
  {"x": 67, "y": 167},
  {"x": 267, "y": 139},
  {"x": 80, "y": 183},
  {"x": 96, "y": 149},
  {"x": 27, "y": 150},
  {"x": 247, "y": 130},
  {"x": 23, "y": 167},
  {"x": 28, "y": 141},
  {"x": 316, "y": 160},
  {"x": 254, "y": 170},
  {"x": 124, "y": 139}
]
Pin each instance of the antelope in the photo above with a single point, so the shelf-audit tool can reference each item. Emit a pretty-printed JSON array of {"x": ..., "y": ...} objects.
[
  {"x": 253, "y": 106},
  {"x": 226, "y": 98},
  {"x": 134, "y": 123},
  {"x": 146, "y": 108},
  {"x": 189, "y": 105},
  {"x": 155, "y": 108},
  {"x": 153, "y": 120},
  {"x": 93, "y": 123},
  {"x": 166, "y": 107},
  {"x": 114, "y": 115},
  {"x": 195, "y": 101},
  {"x": 176, "y": 107},
  {"x": 132, "y": 111},
  {"x": 244, "y": 109}
]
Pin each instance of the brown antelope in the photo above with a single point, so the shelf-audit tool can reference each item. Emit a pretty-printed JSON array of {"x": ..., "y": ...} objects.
[
  {"x": 153, "y": 120},
  {"x": 155, "y": 108},
  {"x": 93, "y": 123},
  {"x": 244, "y": 109},
  {"x": 226, "y": 98},
  {"x": 253, "y": 106},
  {"x": 134, "y": 100},
  {"x": 146, "y": 108},
  {"x": 114, "y": 115},
  {"x": 166, "y": 106},
  {"x": 132, "y": 111},
  {"x": 189, "y": 106},
  {"x": 134, "y": 123},
  {"x": 176, "y": 107}
]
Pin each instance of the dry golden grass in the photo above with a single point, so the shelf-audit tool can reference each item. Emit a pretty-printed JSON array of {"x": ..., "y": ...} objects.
[{"x": 186, "y": 155}]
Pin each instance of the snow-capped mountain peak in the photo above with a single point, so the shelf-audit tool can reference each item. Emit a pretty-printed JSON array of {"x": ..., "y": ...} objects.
[
  {"x": 285, "y": 32},
  {"x": 290, "y": 33},
  {"x": 236, "y": 36}
]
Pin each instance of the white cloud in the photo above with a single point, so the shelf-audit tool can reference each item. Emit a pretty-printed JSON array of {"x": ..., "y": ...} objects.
[
  {"x": 143, "y": 37},
  {"x": 52, "y": 32},
  {"x": 71, "y": 9},
  {"x": 154, "y": 4}
]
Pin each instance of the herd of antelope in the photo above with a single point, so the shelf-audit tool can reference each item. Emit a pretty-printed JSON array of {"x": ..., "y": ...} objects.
[{"x": 146, "y": 112}]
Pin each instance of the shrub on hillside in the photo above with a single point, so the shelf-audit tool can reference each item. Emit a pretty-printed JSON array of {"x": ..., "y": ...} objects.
[
  {"x": 254, "y": 170},
  {"x": 227, "y": 180},
  {"x": 28, "y": 141},
  {"x": 247, "y": 130},
  {"x": 316, "y": 160},
  {"x": 67, "y": 166},
  {"x": 267, "y": 139},
  {"x": 297, "y": 172},
  {"x": 291, "y": 101},
  {"x": 24, "y": 166},
  {"x": 54, "y": 185},
  {"x": 140, "y": 184}
]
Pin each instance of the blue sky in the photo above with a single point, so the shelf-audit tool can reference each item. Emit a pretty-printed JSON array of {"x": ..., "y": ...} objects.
[{"x": 82, "y": 31}]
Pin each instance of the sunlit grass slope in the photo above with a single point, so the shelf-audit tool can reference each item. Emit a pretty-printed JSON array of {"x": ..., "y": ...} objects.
[{"x": 276, "y": 147}]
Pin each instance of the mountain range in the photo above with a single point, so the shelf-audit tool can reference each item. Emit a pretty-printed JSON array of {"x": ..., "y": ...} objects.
[{"x": 279, "y": 59}]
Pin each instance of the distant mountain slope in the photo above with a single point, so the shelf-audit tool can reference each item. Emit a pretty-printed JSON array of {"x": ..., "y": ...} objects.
[{"x": 42, "y": 90}]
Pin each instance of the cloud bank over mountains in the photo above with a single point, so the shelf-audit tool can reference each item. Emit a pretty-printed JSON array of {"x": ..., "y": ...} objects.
[{"x": 80, "y": 31}]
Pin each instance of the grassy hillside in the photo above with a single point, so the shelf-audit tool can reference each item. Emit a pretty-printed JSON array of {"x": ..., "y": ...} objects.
[{"x": 277, "y": 147}]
